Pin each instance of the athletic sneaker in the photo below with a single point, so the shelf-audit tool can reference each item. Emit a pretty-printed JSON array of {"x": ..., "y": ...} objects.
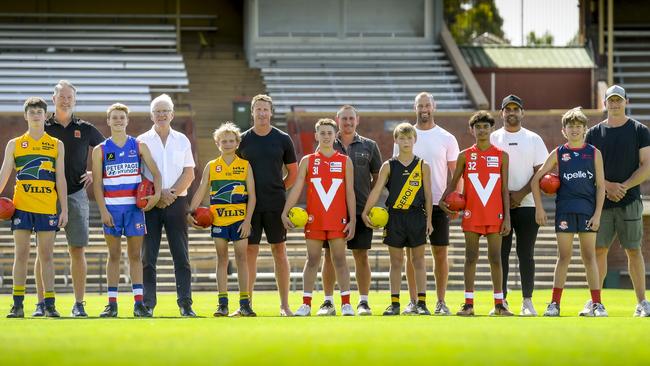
[
  {"x": 347, "y": 310},
  {"x": 363, "y": 308},
  {"x": 527, "y": 308},
  {"x": 222, "y": 310},
  {"x": 644, "y": 306},
  {"x": 78, "y": 310},
  {"x": 303, "y": 310},
  {"x": 441, "y": 309},
  {"x": 501, "y": 310},
  {"x": 392, "y": 310},
  {"x": 327, "y": 309},
  {"x": 50, "y": 312},
  {"x": 286, "y": 312},
  {"x": 40, "y": 310},
  {"x": 466, "y": 310},
  {"x": 599, "y": 310},
  {"x": 587, "y": 310},
  {"x": 246, "y": 311},
  {"x": 553, "y": 309},
  {"x": 16, "y": 312},
  {"x": 141, "y": 311},
  {"x": 411, "y": 309},
  {"x": 110, "y": 311},
  {"x": 422, "y": 309},
  {"x": 505, "y": 305}
]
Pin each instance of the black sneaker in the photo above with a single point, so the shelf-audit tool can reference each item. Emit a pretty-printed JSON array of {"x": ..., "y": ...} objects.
[
  {"x": 186, "y": 311},
  {"x": 391, "y": 310},
  {"x": 40, "y": 310},
  {"x": 327, "y": 309},
  {"x": 244, "y": 310},
  {"x": 16, "y": 312},
  {"x": 141, "y": 311},
  {"x": 50, "y": 312},
  {"x": 422, "y": 309},
  {"x": 110, "y": 311},
  {"x": 78, "y": 310},
  {"x": 222, "y": 310}
]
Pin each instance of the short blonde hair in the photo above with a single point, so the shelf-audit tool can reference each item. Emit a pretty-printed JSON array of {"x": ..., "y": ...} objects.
[
  {"x": 405, "y": 129},
  {"x": 575, "y": 115},
  {"x": 227, "y": 127},
  {"x": 263, "y": 98},
  {"x": 117, "y": 107},
  {"x": 326, "y": 122}
]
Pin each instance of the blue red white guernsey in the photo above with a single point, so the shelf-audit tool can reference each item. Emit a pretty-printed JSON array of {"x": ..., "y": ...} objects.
[
  {"x": 577, "y": 192},
  {"x": 326, "y": 203},
  {"x": 482, "y": 182},
  {"x": 122, "y": 173}
]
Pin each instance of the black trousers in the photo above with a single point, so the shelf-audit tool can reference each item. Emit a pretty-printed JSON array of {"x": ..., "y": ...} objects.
[
  {"x": 524, "y": 226},
  {"x": 172, "y": 218}
]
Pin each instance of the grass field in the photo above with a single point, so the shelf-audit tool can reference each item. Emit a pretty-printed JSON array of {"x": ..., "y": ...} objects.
[{"x": 269, "y": 339}]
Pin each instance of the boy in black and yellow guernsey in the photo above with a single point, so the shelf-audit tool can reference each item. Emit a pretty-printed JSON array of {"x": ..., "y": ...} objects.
[
  {"x": 40, "y": 180},
  {"x": 408, "y": 180},
  {"x": 229, "y": 179}
]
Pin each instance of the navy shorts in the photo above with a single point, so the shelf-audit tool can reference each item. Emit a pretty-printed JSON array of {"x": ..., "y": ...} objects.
[
  {"x": 128, "y": 221},
  {"x": 23, "y": 220},
  {"x": 228, "y": 232},
  {"x": 572, "y": 223}
]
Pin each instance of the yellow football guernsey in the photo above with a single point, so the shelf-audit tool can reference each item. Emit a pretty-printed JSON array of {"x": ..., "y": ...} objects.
[
  {"x": 228, "y": 194},
  {"x": 35, "y": 189}
]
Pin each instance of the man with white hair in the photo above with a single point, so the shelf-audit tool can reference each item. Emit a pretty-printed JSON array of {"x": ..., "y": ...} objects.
[{"x": 172, "y": 152}]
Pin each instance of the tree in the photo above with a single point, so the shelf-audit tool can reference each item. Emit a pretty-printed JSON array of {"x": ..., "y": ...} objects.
[
  {"x": 532, "y": 40},
  {"x": 468, "y": 19}
]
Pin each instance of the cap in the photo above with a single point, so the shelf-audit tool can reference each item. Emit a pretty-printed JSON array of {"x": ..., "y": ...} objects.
[
  {"x": 512, "y": 99},
  {"x": 615, "y": 90}
]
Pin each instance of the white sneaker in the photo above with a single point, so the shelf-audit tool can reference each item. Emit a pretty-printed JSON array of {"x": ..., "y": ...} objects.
[
  {"x": 347, "y": 310},
  {"x": 411, "y": 309},
  {"x": 644, "y": 308},
  {"x": 327, "y": 309},
  {"x": 588, "y": 310},
  {"x": 527, "y": 308},
  {"x": 553, "y": 309},
  {"x": 441, "y": 309},
  {"x": 303, "y": 310},
  {"x": 363, "y": 308},
  {"x": 599, "y": 310}
]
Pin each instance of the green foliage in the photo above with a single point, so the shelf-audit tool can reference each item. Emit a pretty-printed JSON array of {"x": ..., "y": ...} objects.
[
  {"x": 468, "y": 19},
  {"x": 533, "y": 40}
]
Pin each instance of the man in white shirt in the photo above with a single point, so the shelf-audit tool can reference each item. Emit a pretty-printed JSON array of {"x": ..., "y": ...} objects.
[
  {"x": 527, "y": 153},
  {"x": 172, "y": 152},
  {"x": 439, "y": 149}
]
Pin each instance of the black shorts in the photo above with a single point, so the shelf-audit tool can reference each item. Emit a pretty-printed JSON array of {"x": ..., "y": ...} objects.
[
  {"x": 406, "y": 229},
  {"x": 271, "y": 223},
  {"x": 572, "y": 223},
  {"x": 440, "y": 222},
  {"x": 362, "y": 237}
]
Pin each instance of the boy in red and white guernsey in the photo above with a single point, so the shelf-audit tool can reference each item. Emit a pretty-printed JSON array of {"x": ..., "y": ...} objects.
[
  {"x": 484, "y": 169},
  {"x": 331, "y": 205}
]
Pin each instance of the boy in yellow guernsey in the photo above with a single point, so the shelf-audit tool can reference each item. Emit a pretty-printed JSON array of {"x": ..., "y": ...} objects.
[
  {"x": 229, "y": 179},
  {"x": 40, "y": 180}
]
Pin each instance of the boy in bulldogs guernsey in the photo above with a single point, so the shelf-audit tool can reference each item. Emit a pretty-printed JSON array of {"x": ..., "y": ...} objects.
[
  {"x": 484, "y": 169},
  {"x": 229, "y": 181},
  {"x": 408, "y": 180},
  {"x": 578, "y": 206},
  {"x": 329, "y": 177},
  {"x": 118, "y": 160}
]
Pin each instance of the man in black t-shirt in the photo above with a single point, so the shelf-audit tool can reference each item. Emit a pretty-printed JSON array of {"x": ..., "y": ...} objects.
[
  {"x": 77, "y": 137},
  {"x": 625, "y": 146},
  {"x": 268, "y": 150}
]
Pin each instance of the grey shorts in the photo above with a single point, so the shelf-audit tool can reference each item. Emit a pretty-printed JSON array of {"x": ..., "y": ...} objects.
[
  {"x": 76, "y": 231},
  {"x": 626, "y": 223}
]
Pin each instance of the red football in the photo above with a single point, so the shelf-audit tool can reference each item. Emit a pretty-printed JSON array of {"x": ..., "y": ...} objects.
[
  {"x": 549, "y": 183},
  {"x": 145, "y": 188},
  {"x": 456, "y": 201},
  {"x": 7, "y": 208},
  {"x": 203, "y": 216}
]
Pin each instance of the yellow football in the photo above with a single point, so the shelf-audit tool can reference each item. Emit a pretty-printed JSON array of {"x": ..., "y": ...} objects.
[
  {"x": 298, "y": 216},
  {"x": 378, "y": 216}
]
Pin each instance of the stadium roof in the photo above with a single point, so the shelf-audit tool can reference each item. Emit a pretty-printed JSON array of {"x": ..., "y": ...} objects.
[{"x": 527, "y": 57}]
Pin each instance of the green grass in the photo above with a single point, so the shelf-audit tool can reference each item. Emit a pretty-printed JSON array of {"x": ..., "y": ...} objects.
[{"x": 376, "y": 340}]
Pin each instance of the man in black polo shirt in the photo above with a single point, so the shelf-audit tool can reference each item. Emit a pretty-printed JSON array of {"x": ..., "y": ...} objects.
[
  {"x": 366, "y": 160},
  {"x": 77, "y": 137}
]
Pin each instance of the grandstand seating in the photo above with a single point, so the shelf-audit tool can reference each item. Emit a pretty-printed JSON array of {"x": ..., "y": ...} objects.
[
  {"x": 109, "y": 62},
  {"x": 378, "y": 78},
  {"x": 632, "y": 68}
]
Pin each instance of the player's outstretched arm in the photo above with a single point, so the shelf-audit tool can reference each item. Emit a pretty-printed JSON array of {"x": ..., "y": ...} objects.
[
  {"x": 549, "y": 164},
  {"x": 98, "y": 185},
  {"x": 505, "y": 194},
  {"x": 199, "y": 194},
  {"x": 382, "y": 178},
  {"x": 295, "y": 191},
  {"x": 145, "y": 153},
  {"x": 594, "y": 221},
  {"x": 350, "y": 200},
  {"x": 8, "y": 164},
  {"x": 453, "y": 184}
]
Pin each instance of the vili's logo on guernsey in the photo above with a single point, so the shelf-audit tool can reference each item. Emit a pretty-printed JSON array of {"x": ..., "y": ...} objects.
[
  {"x": 224, "y": 212},
  {"x": 578, "y": 175},
  {"x": 30, "y": 188},
  {"x": 326, "y": 197}
]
